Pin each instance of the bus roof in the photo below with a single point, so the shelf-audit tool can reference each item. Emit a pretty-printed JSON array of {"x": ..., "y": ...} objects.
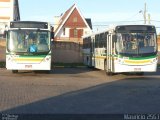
[
  {"x": 113, "y": 27},
  {"x": 29, "y": 24}
]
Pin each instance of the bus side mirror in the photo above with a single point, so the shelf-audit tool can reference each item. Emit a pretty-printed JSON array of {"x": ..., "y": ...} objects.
[
  {"x": 52, "y": 35},
  {"x": 4, "y": 34}
]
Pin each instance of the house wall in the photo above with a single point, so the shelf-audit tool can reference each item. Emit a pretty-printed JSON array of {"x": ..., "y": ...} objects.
[
  {"x": 9, "y": 11},
  {"x": 56, "y": 22},
  {"x": 6, "y": 12},
  {"x": 79, "y": 23},
  {"x": 67, "y": 52},
  {"x": 67, "y": 32},
  {"x": 60, "y": 34}
]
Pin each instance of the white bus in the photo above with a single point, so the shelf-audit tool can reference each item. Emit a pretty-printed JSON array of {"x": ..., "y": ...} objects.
[
  {"x": 28, "y": 46},
  {"x": 123, "y": 48}
]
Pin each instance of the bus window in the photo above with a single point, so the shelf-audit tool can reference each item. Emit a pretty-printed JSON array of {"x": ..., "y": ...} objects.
[{"x": 42, "y": 46}]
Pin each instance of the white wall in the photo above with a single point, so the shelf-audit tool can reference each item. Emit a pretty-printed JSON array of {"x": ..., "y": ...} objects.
[
  {"x": 7, "y": 13},
  {"x": 6, "y": 10},
  {"x": 60, "y": 34}
]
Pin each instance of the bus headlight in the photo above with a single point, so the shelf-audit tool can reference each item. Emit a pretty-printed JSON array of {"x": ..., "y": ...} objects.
[
  {"x": 154, "y": 60},
  {"x": 9, "y": 58},
  {"x": 120, "y": 61},
  {"x": 46, "y": 59}
]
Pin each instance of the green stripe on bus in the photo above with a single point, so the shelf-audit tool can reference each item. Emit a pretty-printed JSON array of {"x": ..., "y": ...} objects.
[
  {"x": 138, "y": 58},
  {"x": 28, "y": 55},
  {"x": 33, "y": 56}
]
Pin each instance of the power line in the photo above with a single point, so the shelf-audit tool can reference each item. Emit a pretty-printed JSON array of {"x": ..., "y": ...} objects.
[{"x": 107, "y": 23}]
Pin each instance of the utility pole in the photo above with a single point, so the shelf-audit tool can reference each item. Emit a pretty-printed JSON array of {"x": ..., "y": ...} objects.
[
  {"x": 149, "y": 19},
  {"x": 144, "y": 14}
]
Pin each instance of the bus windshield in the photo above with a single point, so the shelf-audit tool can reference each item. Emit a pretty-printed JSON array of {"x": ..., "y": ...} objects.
[
  {"x": 136, "y": 43},
  {"x": 28, "y": 41}
]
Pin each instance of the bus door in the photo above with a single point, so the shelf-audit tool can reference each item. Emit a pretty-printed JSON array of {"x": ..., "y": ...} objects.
[
  {"x": 93, "y": 50},
  {"x": 109, "y": 56}
]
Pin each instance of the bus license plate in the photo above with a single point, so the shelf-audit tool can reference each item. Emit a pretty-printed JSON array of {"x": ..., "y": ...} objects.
[
  {"x": 137, "y": 69},
  {"x": 28, "y": 66}
]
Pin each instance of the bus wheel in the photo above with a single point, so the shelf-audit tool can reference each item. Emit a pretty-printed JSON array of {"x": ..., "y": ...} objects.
[
  {"x": 105, "y": 69},
  {"x": 87, "y": 62},
  {"x": 14, "y": 71},
  {"x": 105, "y": 66},
  {"x": 109, "y": 73}
]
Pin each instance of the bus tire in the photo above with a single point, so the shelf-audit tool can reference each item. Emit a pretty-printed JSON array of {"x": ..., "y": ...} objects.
[
  {"x": 110, "y": 73},
  {"x": 105, "y": 69},
  {"x": 140, "y": 73},
  {"x": 88, "y": 63},
  {"x": 105, "y": 66},
  {"x": 14, "y": 71}
]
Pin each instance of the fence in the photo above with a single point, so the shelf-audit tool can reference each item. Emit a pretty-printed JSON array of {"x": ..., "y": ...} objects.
[
  {"x": 67, "y": 52},
  {"x": 62, "y": 52}
]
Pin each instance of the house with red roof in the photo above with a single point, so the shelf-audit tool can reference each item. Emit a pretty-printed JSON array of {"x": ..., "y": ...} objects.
[{"x": 71, "y": 26}]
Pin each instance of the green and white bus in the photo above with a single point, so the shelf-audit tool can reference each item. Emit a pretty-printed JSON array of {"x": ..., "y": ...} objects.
[
  {"x": 28, "y": 46},
  {"x": 122, "y": 48}
]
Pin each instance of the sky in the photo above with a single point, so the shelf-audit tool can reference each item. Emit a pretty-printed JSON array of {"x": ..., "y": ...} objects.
[{"x": 102, "y": 12}]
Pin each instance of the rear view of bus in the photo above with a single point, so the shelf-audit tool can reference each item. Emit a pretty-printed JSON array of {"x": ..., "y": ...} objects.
[{"x": 28, "y": 46}]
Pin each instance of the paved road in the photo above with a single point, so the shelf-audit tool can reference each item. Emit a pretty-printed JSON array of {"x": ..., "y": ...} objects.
[{"x": 78, "y": 90}]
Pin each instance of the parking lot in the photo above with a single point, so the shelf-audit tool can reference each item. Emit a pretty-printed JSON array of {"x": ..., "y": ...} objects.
[{"x": 78, "y": 90}]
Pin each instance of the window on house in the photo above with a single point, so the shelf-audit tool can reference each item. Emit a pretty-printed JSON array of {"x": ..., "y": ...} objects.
[
  {"x": 64, "y": 31},
  {"x": 75, "y": 32},
  {"x": 75, "y": 19}
]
